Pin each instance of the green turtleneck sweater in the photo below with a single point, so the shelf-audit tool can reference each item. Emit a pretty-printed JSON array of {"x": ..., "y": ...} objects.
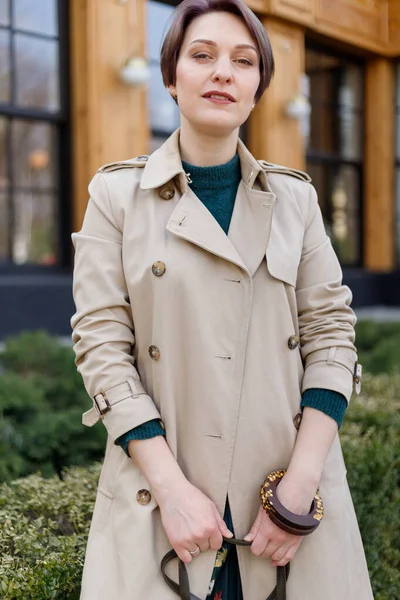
[{"x": 216, "y": 187}]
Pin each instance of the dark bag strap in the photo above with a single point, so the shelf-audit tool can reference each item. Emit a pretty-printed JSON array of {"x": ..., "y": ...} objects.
[{"x": 182, "y": 589}]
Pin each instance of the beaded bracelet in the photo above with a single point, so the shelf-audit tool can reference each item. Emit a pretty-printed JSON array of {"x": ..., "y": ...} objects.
[{"x": 284, "y": 518}]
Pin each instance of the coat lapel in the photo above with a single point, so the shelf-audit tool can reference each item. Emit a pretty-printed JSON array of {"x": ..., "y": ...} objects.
[
  {"x": 249, "y": 230},
  {"x": 192, "y": 221},
  {"x": 251, "y": 225}
]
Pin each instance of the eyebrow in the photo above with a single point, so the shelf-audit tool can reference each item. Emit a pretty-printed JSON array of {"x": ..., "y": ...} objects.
[{"x": 211, "y": 43}]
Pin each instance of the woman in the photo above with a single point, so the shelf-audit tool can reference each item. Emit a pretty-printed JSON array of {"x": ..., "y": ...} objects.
[{"x": 208, "y": 268}]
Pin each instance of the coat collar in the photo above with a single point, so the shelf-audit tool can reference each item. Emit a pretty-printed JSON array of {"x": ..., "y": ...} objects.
[
  {"x": 165, "y": 163},
  {"x": 247, "y": 239}
]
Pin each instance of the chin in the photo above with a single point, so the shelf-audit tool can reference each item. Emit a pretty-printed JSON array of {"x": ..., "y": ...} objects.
[{"x": 216, "y": 125}]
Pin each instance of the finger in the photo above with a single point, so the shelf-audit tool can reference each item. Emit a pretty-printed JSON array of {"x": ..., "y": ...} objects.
[
  {"x": 222, "y": 527},
  {"x": 203, "y": 544},
  {"x": 260, "y": 544},
  {"x": 270, "y": 549},
  {"x": 184, "y": 555},
  {"x": 216, "y": 540},
  {"x": 291, "y": 551},
  {"x": 279, "y": 553},
  {"x": 285, "y": 559},
  {"x": 254, "y": 530},
  {"x": 281, "y": 563}
]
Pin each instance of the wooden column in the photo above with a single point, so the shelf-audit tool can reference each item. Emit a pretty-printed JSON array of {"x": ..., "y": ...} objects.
[
  {"x": 109, "y": 118},
  {"x": 379, "y": 203},
  {"x": 273, "y": 136}
]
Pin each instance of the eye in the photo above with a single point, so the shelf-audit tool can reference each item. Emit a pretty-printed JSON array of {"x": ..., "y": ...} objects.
[
  {"x": 201, "y": 55},
  {"x": 245, "y": 61}
]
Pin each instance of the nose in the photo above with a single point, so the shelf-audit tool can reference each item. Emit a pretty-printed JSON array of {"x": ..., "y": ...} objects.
[{"x": 223, "y": 71}]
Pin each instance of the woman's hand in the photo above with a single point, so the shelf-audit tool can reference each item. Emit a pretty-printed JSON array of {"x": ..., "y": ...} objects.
[
  {"x": 269, "y": 540},
  {"x": 191, "y": 520}
]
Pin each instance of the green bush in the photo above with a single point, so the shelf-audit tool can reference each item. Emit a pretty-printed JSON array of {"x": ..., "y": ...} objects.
[
  {"x": 42, "y": 399},
  {"x": 45, "y": 522},
  {"x": 378, "y": 346},
  {"x": 370, "y": 439},
  {"x": 43, "y": 534}
]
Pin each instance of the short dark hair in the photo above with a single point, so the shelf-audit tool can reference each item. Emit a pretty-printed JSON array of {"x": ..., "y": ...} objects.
[{"x": 189, "y": 10}]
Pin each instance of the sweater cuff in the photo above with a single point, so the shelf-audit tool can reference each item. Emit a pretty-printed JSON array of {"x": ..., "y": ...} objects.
[
  {"x": 145, "y": 431},
  {"x": 329, "y": 402}
]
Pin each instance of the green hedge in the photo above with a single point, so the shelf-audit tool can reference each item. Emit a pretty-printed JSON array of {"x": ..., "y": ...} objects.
[
  {"x": 44, "y": 528},
  {"x": 378, "y": 346},
  {"x": 45, "y": 522},
  {"x": 370, "y": 439},
  {"x": 42, "y": 399}
]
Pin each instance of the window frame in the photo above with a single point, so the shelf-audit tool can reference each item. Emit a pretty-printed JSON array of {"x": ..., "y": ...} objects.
[
  {"x": 397, "y": 164},
  {"x": 63, "y": 164},
  {"x": 323, "y": 158}
]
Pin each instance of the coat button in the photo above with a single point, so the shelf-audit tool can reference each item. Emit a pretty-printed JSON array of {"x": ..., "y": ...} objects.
[
  {"x": 293, "y": 342},
  {"x": 297, "y": 420},
  {"x": 158, "y": 268},
  {"x": 154, "y": 352},
  {"x": 167, "y": 193},
  {"x": 143, "y": 497}
]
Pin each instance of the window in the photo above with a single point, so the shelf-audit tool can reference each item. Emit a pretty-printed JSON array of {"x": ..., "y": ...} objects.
[
  {"x": 335, "y": 148},
  {"x": 32, "y": 125},
  {"x": 398, "y": 164},
  {"x": 164, "y": 113}
]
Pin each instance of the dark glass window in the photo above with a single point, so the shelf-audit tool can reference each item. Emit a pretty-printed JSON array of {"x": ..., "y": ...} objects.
[
  {"x": 335, "y": 147},
  {"x": 398, "y": 164},
  {"x": 33, "y": 125}
]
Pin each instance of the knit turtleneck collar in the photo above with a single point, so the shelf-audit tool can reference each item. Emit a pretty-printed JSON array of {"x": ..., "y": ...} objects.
[{"x": 216, "y": 177}]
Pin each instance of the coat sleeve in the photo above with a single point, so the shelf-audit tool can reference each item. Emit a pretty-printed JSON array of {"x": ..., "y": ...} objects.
[
  {"x": 103, "y": 331},
  {"x": 326, "y": 321}
]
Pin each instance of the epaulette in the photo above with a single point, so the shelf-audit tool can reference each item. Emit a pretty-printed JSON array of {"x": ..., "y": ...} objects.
[
  {"x": 272, "y": 168},
  {"x": 139, "y": 161}
]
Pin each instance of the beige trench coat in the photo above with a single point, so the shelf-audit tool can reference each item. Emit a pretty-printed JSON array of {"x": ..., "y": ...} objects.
[{"x": 209, "y": 339}]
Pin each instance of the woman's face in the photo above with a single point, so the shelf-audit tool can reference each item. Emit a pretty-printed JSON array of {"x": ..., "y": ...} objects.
[{"x": 217, "y": 74}]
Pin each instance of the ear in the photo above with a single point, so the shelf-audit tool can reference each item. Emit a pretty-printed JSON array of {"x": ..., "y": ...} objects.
[{"x": 171, "y": 89}]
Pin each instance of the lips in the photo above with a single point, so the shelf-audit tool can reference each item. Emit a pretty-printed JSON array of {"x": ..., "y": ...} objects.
[{"x": 219, "y": 96}]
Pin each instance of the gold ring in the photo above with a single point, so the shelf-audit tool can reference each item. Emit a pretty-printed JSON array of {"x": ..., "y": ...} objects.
[{"x": 195, "y": 551}]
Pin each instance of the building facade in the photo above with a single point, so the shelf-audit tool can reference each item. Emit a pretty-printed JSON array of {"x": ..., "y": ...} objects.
[{"x": 333, "y": 109}]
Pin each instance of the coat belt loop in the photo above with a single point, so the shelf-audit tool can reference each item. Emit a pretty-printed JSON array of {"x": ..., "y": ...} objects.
[
  {"x": 132, "y": 386},
  {"x": 331, "y": 355}
]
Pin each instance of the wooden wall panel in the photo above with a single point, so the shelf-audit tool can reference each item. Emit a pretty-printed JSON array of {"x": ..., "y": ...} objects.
[
  {"x": 394, "y": 26},
  {"x": 109, "y": 118},
  {"x": 299, "y": 11},
  {"x": 274, "y": 136},
  {"x": 363, "y": 23},
  {"x": 379, "y": 166},
  {"x": 258, "y": 6}
]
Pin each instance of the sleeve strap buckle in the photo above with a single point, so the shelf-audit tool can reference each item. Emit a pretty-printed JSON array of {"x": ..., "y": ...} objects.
[{"x": 101, "y": 403}]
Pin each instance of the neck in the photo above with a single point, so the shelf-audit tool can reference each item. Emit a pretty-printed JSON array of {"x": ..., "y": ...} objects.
[{"x": 204, "y": 150}]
